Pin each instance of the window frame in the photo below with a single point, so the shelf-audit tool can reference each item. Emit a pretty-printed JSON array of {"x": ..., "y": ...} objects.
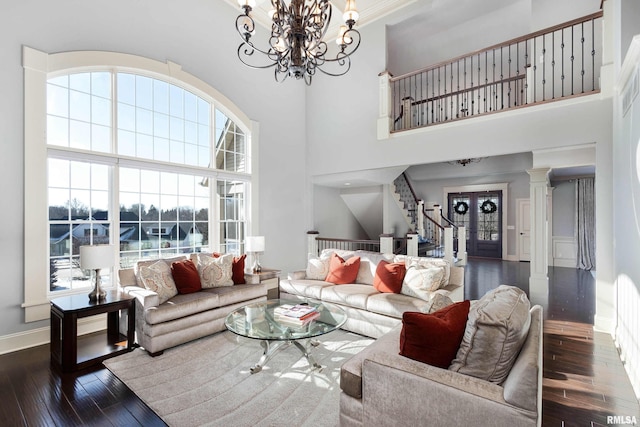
[{"x": 38, "y": 68}]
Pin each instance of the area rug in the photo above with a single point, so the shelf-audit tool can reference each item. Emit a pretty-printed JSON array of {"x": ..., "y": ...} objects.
[{"x": 207, "y": 382}]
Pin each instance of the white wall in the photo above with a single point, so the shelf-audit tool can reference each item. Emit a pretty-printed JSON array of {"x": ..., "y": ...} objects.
[
  {"x": 333, "y": 217},
  {"x": 200, "y": 36},
  {"x": 564, "y": 199}
]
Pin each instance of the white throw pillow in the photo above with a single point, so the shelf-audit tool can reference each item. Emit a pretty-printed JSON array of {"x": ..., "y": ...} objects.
[
  {"x": 426, "y": 262},
  {"x": 215, "y": 272},
  {"x": 368, "y": 265},
  {"x": 318, "y": 267},
  {"x": 421, "y": 282},
  {"x": 157, "y": 277}
]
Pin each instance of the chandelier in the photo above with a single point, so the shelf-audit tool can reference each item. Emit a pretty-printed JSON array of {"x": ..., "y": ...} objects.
[
  {"x": 465, "y": 162},
  {"x": 296, "y": 47}
]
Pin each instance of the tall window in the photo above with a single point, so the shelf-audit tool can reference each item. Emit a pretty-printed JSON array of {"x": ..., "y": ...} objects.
[{"x": 130, "y": 162}]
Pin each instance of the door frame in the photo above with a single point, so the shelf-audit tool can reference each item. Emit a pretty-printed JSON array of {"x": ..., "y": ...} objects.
[{"x": 503, "y": 186}]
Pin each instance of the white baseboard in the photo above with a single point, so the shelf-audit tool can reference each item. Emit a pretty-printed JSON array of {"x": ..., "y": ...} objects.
[{"x": 34, "y": 337}]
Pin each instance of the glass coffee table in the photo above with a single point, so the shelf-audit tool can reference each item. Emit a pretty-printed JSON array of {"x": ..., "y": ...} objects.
[{"x": 260, "y": 321}]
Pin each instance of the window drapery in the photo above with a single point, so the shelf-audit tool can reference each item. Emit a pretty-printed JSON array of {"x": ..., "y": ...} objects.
[{"x": 585, "y": 224}]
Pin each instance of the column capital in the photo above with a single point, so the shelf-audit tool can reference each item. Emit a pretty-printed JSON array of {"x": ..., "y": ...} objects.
[{"x": 539, "y": 174}]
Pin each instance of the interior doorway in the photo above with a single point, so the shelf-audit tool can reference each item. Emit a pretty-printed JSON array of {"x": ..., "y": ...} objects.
[{"x": 481, "y": 214}]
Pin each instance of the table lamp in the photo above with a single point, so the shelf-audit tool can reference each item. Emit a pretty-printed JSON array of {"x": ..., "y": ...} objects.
[
  {"x": 255, "y": 246},
  {"x": 95, "y": 258}
]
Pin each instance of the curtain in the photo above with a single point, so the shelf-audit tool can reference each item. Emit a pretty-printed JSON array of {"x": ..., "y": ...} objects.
[{"x": 585, "y": 223}]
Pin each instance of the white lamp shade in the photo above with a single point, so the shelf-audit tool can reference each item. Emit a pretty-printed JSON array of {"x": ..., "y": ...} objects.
[
  {"x": 254, "y": 244},
  {"x": 97, "y": 256}
]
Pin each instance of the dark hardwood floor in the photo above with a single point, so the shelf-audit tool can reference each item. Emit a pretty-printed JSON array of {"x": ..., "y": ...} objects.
[{"x": 584, "y": 380}]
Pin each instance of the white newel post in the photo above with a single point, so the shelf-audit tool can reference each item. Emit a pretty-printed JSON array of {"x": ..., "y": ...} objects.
[
  {"x": 448, "y": 244},
  {"x": 312, "y": 243},
  {"x": 462, "y": 246},
  {"x": 406, "y": 113},
  {"x": 539, "y": 279},
  {"x": 420, "y": 218},
  {"x": 384, "y": 114},
  {"x": 412, "y": 244},
  {"x": 386, "y": 243}
]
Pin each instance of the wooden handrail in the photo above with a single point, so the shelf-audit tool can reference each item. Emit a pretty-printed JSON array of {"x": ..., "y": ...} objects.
[
  {"x": 470, "y": 89},
  {"x": 571, "y": 23},
  {"x": 413, "y": 193}
]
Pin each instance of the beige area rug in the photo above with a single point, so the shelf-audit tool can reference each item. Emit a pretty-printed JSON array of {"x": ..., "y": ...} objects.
[{"x": 207, "y": 382}]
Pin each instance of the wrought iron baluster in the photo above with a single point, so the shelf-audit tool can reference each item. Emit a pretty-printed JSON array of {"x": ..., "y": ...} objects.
[{"x": 582, "y": 59}]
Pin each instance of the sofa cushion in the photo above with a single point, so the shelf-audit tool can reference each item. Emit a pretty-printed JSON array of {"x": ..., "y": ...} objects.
[
  {"x": 496, "y": 329},
  {"x": 318, "y": 267},
  {"x": 215, "y": 271},
  {"x": 157, "y": 278},
  {"x": 341, "y": 271},
  {"x": 394, "y": 305},
  {"x": 389, "y": 277},
  {"x": 180, "y": 306},
  {"x": 304, "y": 288},
  {"x": 420, "y": 282},
  {"x": 352, "y": 295},
  {"x": 427, "y": 262},
  {"x": 237, "y": 268},
  {"x": 434, "y": 338},
  {"x": 185, "y": 275},
  {"x": 369, "y": 262},
  {"x": 228, "y": 295}
]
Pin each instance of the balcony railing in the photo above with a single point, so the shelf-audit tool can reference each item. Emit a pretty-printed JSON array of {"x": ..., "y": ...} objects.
[{"x": 552, "y": 64}]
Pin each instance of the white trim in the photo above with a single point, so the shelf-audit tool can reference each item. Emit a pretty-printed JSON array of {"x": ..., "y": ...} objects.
[
  {"x": 503, "y": 186},
  {"x": 39, "y": 336},
  {"x": 38, "y": 67},
  {"x": 564, "y": 251}
]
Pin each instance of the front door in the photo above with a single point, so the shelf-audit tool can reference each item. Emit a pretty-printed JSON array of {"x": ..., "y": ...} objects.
[{"x": 481, "y": 214}]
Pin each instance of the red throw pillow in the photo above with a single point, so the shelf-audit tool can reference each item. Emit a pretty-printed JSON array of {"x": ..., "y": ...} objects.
[
  {"x": 237, "y": 268},
  {"x": 342, "y": 272},
  {"x": 185, "y": 275},
  {"x": 434, "y": 338},
  {"x": 389, "y": 277}
]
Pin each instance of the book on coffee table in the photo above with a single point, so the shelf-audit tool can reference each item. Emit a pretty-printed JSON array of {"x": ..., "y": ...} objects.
[
  {"x": 298, "y": 321},
  {"x": 295, "y": 312}
]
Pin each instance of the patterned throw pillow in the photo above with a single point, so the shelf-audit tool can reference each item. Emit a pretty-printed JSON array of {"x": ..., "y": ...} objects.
[
  {"x": 215, "y": 272},
  {"x": 421, "y": 282},
  {"x": 438, "y": 302},
  {"x": 317, "y": 267},
  {"x": 157, "y": 278}
]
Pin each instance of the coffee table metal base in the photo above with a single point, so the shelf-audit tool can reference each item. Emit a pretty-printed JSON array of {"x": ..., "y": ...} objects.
[{"x": 271, "y": 347}]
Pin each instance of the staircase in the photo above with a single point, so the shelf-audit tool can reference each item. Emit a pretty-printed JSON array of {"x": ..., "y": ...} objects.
[{"x": 424, "y": 222}]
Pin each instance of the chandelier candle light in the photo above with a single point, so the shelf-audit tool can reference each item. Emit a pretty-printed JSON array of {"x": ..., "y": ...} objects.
[
  {"x": 95, "y": 258},
  {"x": 296, "y": 46}
]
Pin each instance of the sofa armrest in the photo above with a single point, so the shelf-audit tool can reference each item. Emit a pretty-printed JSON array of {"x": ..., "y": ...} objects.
[
  {"x": 297, "y": 275},
  {"x": 148, "y": 299},
  {"x": 414, "y": 391}
]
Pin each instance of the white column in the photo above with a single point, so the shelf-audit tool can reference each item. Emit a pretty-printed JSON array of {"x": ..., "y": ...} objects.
[
  {"x": 539, "y": 279},
  {"x": 312, "y": 243},
  {"x": 448, "y": 244},
  {"x": 384, "y": 114},
  {"x": 386, "y": 243},
  {"x": 420, "y": 218},
  {"x": 412, "y": 244},
  {"x": 462, "y": 246}
]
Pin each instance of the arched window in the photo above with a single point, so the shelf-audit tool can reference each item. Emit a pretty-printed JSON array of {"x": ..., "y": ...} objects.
[{"x": 134, "y": 153}]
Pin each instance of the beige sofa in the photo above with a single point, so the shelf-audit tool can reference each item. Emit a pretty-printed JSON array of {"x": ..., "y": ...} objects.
[
  {"x": 380, "y": 387},
  {"x": 185, "y": 317},
  {"x": 369, "y": 312}
]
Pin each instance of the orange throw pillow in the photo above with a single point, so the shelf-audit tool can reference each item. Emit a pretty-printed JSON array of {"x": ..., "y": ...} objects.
[
  {"x": 237, "y": 268},
  {"x": 342, "y": 272},
  {"x": 185, "y": 275},
  {"x": 434, "y": 338},
  {"x": 389, "y": 277}
]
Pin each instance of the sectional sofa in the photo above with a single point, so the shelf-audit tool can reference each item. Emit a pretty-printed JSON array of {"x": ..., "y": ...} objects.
[
  {"x": 370, "y": 312},
  {"x": 185, "y": 317}
]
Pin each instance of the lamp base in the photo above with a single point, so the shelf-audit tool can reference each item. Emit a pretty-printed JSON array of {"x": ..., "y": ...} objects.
[{"x": 97, "y": 294}]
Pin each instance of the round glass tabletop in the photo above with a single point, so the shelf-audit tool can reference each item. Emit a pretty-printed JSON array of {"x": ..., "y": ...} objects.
[{"x": 284, "y": 320}]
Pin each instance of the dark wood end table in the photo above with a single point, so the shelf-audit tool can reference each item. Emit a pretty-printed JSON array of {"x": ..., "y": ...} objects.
[{"x": 71, "y": 352}]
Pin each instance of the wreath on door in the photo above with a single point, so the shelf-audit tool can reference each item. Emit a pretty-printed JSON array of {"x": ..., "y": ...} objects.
[
  {"x": 461, "y": 208},
  {"x": 488, "y": 207}
]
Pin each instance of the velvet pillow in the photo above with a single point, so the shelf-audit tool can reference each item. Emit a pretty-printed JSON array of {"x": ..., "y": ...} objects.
[
  {"x": 434, "y": 338},
  {"x": 342, "y": 272},
  {"x": 389, "y": 277},
  {"x": 185, "y": 275},
  {"x": 237, "y": 268}
]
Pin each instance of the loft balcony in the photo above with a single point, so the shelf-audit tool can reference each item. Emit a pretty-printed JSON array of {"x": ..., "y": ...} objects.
[{"x": 557, "y": 63}]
